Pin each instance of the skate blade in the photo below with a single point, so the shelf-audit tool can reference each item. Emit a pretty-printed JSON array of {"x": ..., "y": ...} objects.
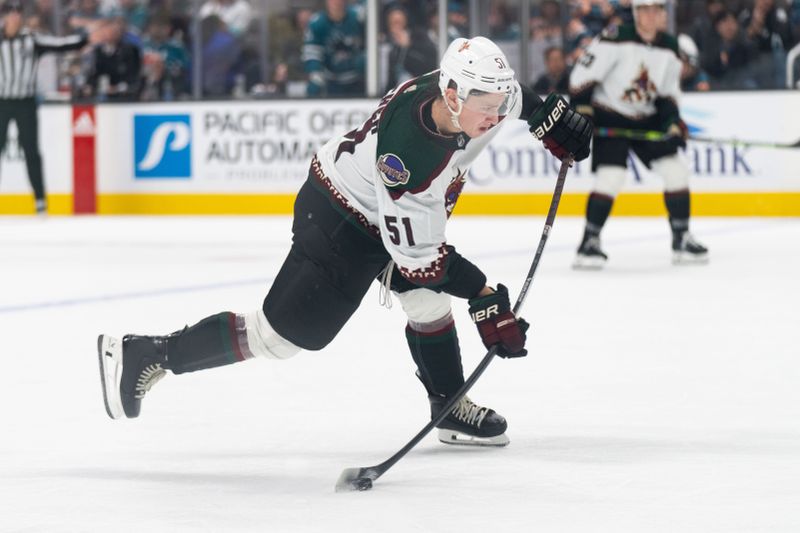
[
  {"x": 109, "y": 354},
  {"x": 583, "y": 262},
  {"x": 448, "y": 436},
  {"x": 682, "y": 258}
]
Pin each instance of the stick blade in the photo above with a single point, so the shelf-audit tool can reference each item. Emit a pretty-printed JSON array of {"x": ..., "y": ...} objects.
[{"x": 356, "y": 479}]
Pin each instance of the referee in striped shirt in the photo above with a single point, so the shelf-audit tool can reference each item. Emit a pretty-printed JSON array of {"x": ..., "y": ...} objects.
[{"x": 19, "y": 56}]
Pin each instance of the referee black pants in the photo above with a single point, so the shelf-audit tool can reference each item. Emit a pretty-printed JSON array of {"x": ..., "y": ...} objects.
[{"x": 23, "y": 112}]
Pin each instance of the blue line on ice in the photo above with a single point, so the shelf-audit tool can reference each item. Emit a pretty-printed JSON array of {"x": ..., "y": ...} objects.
[{"x": 263, "y": 281}]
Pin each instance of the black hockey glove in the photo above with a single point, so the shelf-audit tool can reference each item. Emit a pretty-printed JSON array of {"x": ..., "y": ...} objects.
[
  {"x": 561, "y": 130},
  {"x": 497, "y": 325},
  {"x": 671, "y": 123},
  {"x": 677, "y": 133}
]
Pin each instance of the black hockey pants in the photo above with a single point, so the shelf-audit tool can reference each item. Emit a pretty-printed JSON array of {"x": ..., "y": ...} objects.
[{"x": 332, "y": 262}]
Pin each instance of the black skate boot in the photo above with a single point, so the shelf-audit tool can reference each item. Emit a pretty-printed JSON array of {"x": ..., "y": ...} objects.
[
  {"x": 590, "y": 256},
  {"x": 469, "y": 424},
  {"x": 686, "y": 250},
  {"x": 128, "y": 369}
]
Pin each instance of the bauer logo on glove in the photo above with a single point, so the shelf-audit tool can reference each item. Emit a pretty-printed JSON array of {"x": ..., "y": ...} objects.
[
  {"x": 483, "y": 314},
  {"x": 561, "y": 130},
  {"x": 497, "y": 325},
  {"x": 540, "y": 131}
]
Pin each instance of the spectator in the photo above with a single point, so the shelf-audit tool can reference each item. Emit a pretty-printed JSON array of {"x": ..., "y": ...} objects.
[
  {"x": 412, "y": 52},
  {"x": 765, "y": 23},
  {"x": 155, "y": 84},
  {"x": 545, "y": 33},
  {"x": 693, "y": 78},
  {"x": 86, "y": 15},
  {"x": 769, "y": 28},
  {"x": 501, "y": 22},
  {"x": 556, "y": 79},
  {"x": 623, "y": 12},
  {"x": 457, "y": 18},
  {"x": 286, "y": 33},
  {"x": 117, "y": 70},
  {"x": 333, "y": 51},
  {"x": 248, "y": 70},
  {"x": 703, "y": 32},
  {"x": 577, "y": 40},
  {"x": 594, "y": 14},
  {"x": 795, "y": 15},
  {"x": 416, "y": 12},
  {"x": 221, "y": 51},
  {"x": 166, "y": 62},
  {"x": 43, "y": 17},
  {"x": 547, "y": 25},
  {"x": 727, "y": 62},
  {"x": 133, "y": 12},
  {"x": 456, "y": 22},
  {"x": 236, "y": 14}
]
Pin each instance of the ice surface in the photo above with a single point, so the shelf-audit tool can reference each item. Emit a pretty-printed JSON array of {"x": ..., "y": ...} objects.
[{"x": 655, "y": 398}]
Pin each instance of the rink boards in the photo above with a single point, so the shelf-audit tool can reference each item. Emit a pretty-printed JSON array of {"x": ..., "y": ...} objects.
[{"x": 250, "y": 158}]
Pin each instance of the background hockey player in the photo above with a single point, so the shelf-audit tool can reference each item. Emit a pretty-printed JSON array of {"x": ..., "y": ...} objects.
[
  {"x": 630, "y": 78},
  {"x": 375, "y": 205}
]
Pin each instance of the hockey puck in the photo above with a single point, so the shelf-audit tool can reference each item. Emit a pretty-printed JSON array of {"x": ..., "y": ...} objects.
[{"x": 362, "y": 483}]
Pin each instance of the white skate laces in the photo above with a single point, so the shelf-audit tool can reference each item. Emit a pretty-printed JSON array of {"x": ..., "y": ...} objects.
[
  {"x": 149, "y": 376},
  {"x": 466, "y": 411}
]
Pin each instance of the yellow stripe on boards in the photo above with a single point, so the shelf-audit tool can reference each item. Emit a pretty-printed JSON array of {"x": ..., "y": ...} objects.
[
  {"x": 785, "y": 204},
  {"x": 22, "y": 204},
  {"x": 631, "y": 204},
  {"x": 195, "y": 204}
]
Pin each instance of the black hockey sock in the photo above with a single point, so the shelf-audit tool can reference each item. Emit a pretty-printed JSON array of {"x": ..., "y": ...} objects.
[
  {"x": 435, "y": 350},
  {"x": 214, "y": 341},
  {"x": 597, "y": 210},
  {"x": 678, "y": 208}
]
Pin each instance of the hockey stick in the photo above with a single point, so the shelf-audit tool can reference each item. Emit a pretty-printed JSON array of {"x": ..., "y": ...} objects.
[
  {"x": 362, "y": 478},
  {"x": 649, "y": 135}
]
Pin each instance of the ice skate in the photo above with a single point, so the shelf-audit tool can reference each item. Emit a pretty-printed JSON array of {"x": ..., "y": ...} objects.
[
  {"x": 470, "y": 424},
  {"x": 686, "y": 250},
  {"x": 590, "y": 256},
  {"x": 128, "y": 369}
]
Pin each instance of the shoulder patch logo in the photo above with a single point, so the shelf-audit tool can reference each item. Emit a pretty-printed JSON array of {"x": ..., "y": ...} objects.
[
  {"x": 393, "y": 170},
  {"x": 611, "y": 31}
]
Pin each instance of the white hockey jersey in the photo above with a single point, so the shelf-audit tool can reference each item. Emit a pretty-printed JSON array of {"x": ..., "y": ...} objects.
[
  {"x": 621, "y": 73},
  {"x": 401, "y": 179}
]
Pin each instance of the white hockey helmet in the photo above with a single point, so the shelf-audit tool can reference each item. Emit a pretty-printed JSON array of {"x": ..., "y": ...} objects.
[
  {"x": 640, "y": 3},
  {"x": 477, "y": 64}
]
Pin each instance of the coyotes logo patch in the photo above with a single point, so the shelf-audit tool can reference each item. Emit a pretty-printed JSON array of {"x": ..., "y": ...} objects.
[{"x": 641, "y": 88}]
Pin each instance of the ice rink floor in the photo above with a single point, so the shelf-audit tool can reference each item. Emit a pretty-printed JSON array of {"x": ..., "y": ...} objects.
[{"x": 655, "y": 397}]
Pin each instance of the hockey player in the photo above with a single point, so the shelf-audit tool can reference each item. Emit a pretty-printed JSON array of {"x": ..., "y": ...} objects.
[
  {"x": 375, "y": 205},
  {"x": 630, "y": 78}
]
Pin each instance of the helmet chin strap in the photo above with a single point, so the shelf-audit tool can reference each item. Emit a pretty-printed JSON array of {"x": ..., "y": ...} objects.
[{"x": 454, "y": 114}]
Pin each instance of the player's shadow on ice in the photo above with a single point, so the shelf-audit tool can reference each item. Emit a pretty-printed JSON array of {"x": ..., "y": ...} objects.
[{"x": 237, "y": 482}]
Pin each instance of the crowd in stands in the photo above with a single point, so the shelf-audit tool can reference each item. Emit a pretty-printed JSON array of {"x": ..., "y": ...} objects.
[{"x": 317, "y": 47}]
